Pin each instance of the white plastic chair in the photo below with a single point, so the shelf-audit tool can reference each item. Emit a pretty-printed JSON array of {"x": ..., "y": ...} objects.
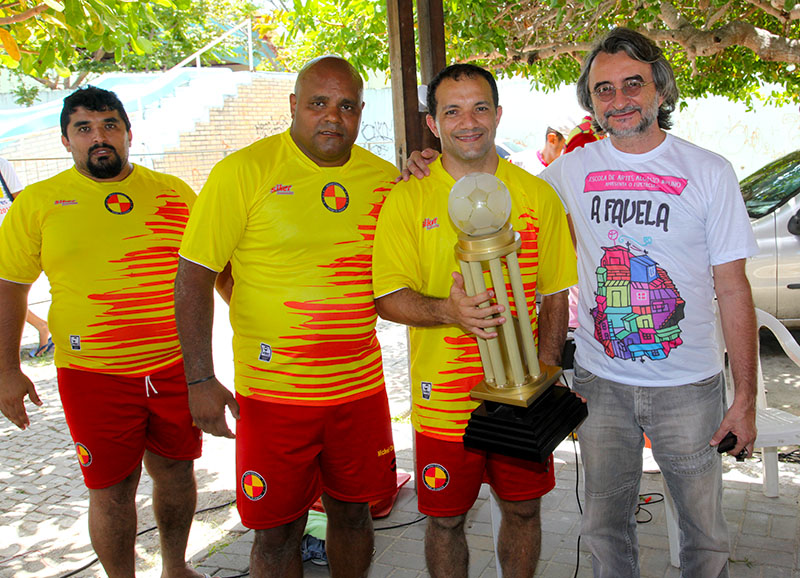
[{"x": 775, "y": 428}]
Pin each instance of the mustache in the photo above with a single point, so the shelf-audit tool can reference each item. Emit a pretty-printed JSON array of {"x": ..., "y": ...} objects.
[
  {"x": 101, "y": 146},
  {"x": 331, "y": 127},
  {"x": 626, "y": 110}
]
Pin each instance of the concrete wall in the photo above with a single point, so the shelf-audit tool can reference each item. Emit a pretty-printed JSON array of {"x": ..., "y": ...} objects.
[{"x": 261, "y": 108}]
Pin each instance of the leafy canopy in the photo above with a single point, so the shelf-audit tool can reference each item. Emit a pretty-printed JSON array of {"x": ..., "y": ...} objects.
[
  {"x": 723, "y": 47},
  {"x": 60, "y": 38}
]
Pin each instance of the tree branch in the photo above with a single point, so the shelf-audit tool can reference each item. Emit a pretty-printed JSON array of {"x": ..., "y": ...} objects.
[
  {"x": 765, "y": 44},
  {"x": 23, "y": 16},
  {"x": 716, "y": 16},
  {"x": 776, "y": 9},
  {"x": 47, "y": 82}
]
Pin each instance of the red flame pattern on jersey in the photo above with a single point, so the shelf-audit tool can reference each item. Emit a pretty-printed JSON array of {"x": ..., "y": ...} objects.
[
  {"x": 136, "y": 332},
  {"x": 336, "y": 332}
]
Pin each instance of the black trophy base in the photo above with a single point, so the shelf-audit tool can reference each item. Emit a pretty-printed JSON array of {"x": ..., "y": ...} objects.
[{"x": 530, "y": 433}]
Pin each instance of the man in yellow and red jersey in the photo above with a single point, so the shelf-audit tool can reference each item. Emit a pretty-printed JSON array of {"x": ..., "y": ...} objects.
[
  {"x": 295, "y": 214},
  {"x": 416, "y": 282},
  {"x": 106, "y": 233}
]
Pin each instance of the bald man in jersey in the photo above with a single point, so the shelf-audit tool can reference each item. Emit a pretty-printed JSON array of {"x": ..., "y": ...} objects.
[{"x": 295, "y": 215}]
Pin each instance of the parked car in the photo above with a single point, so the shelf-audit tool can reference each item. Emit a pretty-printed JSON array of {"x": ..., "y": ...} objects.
[
  {"x": 507, "y": 148},
  {"x": 519, "y": 155},
  {"x": 773, "y": 203}
]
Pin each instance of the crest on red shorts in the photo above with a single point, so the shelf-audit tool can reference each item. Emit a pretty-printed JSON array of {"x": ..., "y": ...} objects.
[
  {"x": 84, "y": 455},
  {"x": 253, "y": 485},
  {"x": 435, "y": 477}
]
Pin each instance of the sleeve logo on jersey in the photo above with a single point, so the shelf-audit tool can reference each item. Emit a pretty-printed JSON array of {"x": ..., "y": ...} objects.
[
  {"x": 84, "y": 455},
  {"x": 253, "y": 485},
  {"x": 266, "y": 353},
  {"x": 426, "y": 387},
  {"x": 435, "y": 477},
  {"x": 75, "y": 342},
  {"x": 335, "y": 197},
  {"x": 119, "y": 203}
]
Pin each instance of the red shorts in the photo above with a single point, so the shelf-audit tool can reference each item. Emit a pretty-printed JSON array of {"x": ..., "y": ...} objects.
[
  {"x": 449, "y": 476},
  {"x": 113, "y": 419},
  {"x": 287, "y": 455}
]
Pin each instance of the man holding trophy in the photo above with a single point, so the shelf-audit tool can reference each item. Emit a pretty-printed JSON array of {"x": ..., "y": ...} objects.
[{"x": 416, "y": 282}]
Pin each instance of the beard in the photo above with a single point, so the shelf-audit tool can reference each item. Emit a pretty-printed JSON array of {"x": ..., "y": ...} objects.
[
  {"x": 107, "y": 167},
  {"x": 649, "y": 116}
]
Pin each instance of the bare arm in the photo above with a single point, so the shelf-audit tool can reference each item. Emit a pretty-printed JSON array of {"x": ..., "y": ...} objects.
[
  {"x": 224, "y": 284},
  {"x": 411, "y": 308},
  {"x": 14, "y": 385},
  {"x": 553, "y": 321},
  {"x": 194, "y": 315},
  {"x": 739, "y": 329}
]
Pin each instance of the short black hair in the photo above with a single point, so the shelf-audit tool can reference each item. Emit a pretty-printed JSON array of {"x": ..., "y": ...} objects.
[
  {"x": 94, "y": 99},
  {"x": 456, "y": 71}
]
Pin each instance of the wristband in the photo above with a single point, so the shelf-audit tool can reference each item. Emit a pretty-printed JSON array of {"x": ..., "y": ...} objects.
[{"x": 196, "y": 381}]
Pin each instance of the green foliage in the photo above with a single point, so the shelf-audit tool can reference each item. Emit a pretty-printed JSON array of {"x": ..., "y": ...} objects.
[
  {"x": 353, "y": 29},
  {"x": 546, "y": 40},
  {"x": 62, "y": 38},
  {"x": 25, "y": 95}
]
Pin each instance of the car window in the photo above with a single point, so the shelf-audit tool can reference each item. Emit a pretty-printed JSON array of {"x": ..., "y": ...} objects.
[{"x": 771, "y": 186}]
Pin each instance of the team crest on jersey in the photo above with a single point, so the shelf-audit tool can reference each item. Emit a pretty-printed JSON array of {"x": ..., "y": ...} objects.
[
  {"x": 119, "y": 203},
  {"x": 335, "y": 197},
  {"x": 253, "y": 485},
  {"x": 84, "y": 455},
  {"x": 435, "y": 477}
]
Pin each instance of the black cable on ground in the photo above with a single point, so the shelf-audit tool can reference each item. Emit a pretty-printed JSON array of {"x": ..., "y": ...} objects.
[
  {"x": 647, "y": 500},
  {"x": 403, "y": 525},
  {"x": 578, "y": 500},
  {"x": 150, "y": 529}
]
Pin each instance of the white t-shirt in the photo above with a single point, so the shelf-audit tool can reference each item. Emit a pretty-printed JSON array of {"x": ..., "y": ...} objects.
[
  {"x": 650, "y": 227},
  {"x": 13, "y": 183}
]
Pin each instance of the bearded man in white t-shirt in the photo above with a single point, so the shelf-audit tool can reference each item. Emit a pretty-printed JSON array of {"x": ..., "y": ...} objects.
[{"x": 661, "y": 231}]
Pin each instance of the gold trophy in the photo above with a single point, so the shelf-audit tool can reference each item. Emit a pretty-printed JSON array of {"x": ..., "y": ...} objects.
[{"x": 523, "y": 413}]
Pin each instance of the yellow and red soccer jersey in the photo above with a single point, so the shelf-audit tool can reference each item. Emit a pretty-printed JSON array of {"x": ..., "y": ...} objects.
[
  {"x": 415, "y": 249},
  {"x": 110, "y": 252},
  {"x": 299, "y": 239}
]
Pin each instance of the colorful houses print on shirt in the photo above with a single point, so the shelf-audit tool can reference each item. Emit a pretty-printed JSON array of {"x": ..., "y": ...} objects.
[{"x": 638, "y": 306}]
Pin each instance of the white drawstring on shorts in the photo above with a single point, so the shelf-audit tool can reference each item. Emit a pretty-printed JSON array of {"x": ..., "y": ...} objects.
[{"x": 148, "y": 383}]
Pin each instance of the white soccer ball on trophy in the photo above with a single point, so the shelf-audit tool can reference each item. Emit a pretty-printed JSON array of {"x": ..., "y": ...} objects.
[{"x": 479, "y": 204}]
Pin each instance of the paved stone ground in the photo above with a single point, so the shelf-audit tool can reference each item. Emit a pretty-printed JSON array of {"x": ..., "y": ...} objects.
[{"x": 43, "y": 503}]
